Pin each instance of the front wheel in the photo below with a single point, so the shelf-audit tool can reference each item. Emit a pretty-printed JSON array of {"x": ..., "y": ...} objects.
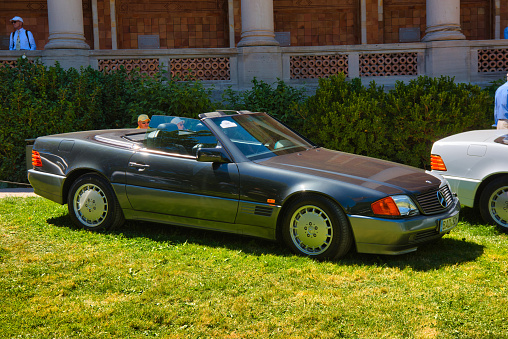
[
  {"x": 93, "y": 205},
  {"x": 316, "y": 227},
  {"x": 494, "y": 203}
]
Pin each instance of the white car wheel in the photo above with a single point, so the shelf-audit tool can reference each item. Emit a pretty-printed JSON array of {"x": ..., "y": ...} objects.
[
  {"x": 317, "y": 227},
  {"x": 92, "y": 204},
  {"x": 494, "y": 203}
]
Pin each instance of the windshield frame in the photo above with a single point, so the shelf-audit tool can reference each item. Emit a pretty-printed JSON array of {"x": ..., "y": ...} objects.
[{"x": 258, "y": 135}]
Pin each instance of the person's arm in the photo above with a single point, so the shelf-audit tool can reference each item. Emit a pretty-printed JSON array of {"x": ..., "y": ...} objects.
[{"x": 33, "y": 47}]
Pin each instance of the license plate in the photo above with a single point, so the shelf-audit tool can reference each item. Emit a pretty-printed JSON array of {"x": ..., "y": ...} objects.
[{"x": 448, "y": 223}]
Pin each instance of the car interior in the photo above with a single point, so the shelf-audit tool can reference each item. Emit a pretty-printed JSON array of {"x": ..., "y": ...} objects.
[{"x": 168, "y": 138}]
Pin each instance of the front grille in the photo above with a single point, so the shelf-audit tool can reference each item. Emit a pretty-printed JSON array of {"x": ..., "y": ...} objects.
[{"x": 430, "y": 200}]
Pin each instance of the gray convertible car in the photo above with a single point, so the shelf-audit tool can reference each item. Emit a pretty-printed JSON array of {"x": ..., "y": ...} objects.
[{"x": 245, "y": 173}]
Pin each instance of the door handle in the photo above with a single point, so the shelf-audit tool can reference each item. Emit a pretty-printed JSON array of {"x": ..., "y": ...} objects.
[{"x": 140, "y": 167}]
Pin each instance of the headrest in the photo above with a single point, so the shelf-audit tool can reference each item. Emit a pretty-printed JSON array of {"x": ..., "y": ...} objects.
[{"x": 168, "y": 127}]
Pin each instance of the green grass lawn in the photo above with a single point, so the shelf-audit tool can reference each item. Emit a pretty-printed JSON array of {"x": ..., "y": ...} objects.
[{"x": 151, "y": 280}]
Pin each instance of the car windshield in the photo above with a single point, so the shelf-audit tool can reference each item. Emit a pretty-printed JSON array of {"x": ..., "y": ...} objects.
[{"x": 259, "y": 136}]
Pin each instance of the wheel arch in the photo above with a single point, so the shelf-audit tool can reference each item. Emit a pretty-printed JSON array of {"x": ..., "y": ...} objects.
[
  {"x": 484, "y": 183},
  {"x": 296, "y": 195},
  {"x": 73, "y": 176}
]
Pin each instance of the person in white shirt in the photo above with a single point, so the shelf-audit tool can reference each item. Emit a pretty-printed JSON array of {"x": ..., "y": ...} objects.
[
  {"x": 20, "y": 39},
  {"x": 501, "y": 106}
]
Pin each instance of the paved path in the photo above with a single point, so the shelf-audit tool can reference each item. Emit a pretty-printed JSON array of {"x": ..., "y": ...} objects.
[{"x": 17, "y": 192}]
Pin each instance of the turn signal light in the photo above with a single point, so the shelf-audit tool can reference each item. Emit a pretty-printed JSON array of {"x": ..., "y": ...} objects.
[
  {"x": 436, "y": 163},
  {"x": 36, "y": 159},
  {"x": 385, "y": 206}
]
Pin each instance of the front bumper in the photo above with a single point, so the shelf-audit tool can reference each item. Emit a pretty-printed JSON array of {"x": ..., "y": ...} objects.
[
  {"x": 465, "y": 188},
  {"x": 398, "y": 236}
]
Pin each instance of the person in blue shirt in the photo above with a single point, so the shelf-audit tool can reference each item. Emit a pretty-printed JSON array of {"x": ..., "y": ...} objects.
[
  {"x": 506, "y": 33},
  {"x": 501, "y": 106},
  {"x": 20, "y": 39}
]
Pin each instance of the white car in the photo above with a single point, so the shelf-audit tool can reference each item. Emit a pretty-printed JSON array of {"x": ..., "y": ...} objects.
[{"x": 475, "y": 164}]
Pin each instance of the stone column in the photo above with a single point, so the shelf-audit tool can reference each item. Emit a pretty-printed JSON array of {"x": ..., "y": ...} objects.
[
  {"x": 443, "y": 21},
  {"x": 363, "y": 20},
  {"x": 497, "y": 19},
  {"x": 112, "y": 11},
  {"x": 95, "y": 19},
  {"x": 66, "y": 35},
  {"x": 65, "y": 22},
  {"x": 257, "y": 23},
  {"x": 259, "y": 54},
  {"x": 447, "y": 51},
  {"x": 231, "y": 21}
]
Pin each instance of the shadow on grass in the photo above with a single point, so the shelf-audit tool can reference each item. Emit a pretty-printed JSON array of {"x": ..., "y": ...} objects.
[
  {"x": 430, "y": 256},
  {"x": 471, "y": 216},
  {"x": 178, "y": 235},
  {"x": 440, "y": 253},
  {"x": 63, "y": 221}
]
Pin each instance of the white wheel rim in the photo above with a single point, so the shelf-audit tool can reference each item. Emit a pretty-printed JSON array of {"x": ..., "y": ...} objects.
[
  {"x": 311, "y": 230},
  {"x": 498, "y": 206},
  {"x": 90, "y": 205}
]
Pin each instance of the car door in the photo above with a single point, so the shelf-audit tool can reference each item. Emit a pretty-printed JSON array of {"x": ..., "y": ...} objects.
[{"x": 166, "y": 178}]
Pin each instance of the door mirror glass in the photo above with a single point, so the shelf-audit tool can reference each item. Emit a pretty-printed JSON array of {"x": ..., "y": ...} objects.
[{"x": 212, "y": 155}]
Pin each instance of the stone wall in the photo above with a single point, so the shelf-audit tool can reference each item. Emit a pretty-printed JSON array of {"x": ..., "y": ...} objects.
[
  {"x": 204, "y": 23},
  {"x": 182, "y": 24},
  {"x": 318, "y": 22}
]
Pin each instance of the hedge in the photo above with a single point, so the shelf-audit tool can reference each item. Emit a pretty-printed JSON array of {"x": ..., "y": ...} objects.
[
  {"x": 399, "y": 125},
  {"x": 36, "y": 100}
]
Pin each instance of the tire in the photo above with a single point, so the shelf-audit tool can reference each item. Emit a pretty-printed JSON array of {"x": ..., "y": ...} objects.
[
  {"x": 93, "y": 205},
  {"x": 316, "y": 227},
  {"x": 493, "y": 203}
]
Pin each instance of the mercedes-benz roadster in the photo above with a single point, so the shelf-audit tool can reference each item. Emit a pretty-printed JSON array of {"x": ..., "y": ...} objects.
[
  {"x": 245, "y": 173},
  {"x": 476, "y": 165}
]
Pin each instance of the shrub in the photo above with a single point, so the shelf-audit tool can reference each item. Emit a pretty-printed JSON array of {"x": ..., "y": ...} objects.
[
  {"x": 428, "y": 109},
  {"x": 281, "y": 101},
  {"x": 494, "y": 85},
  {"x": 36, "y": 100},
  {"x": 349, "y": 117},
  {"x": 399, "y": 125},
  {"x": 157, "y": 95}
]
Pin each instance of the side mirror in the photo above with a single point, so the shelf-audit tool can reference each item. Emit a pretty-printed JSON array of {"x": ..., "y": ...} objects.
[{"x": 212, "y": 155}]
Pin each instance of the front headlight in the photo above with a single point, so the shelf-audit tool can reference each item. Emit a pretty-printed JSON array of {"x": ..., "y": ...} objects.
[
  {"x": 396, "y": 205},
  {"x": 406, "y": 205}
]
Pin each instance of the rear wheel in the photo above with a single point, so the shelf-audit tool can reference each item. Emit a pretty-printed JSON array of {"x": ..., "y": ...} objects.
[
  {"x": 93, "y": 205},
  {"x": 494, "y": 203},
  {"x": 315, "y": 226}
]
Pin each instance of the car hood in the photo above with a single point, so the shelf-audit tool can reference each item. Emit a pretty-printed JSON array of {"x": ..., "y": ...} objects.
[
  {"x": 381, "y": 175},
  {"x": 478, "y": 136}
]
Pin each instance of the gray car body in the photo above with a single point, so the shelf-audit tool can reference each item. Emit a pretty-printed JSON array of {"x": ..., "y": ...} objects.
[
  {"x": 241, "y": 196},
  {"x": 473, "y": 159}
]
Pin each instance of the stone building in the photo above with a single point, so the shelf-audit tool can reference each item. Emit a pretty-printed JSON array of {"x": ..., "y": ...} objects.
[{"x": 228, "y": 42}]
